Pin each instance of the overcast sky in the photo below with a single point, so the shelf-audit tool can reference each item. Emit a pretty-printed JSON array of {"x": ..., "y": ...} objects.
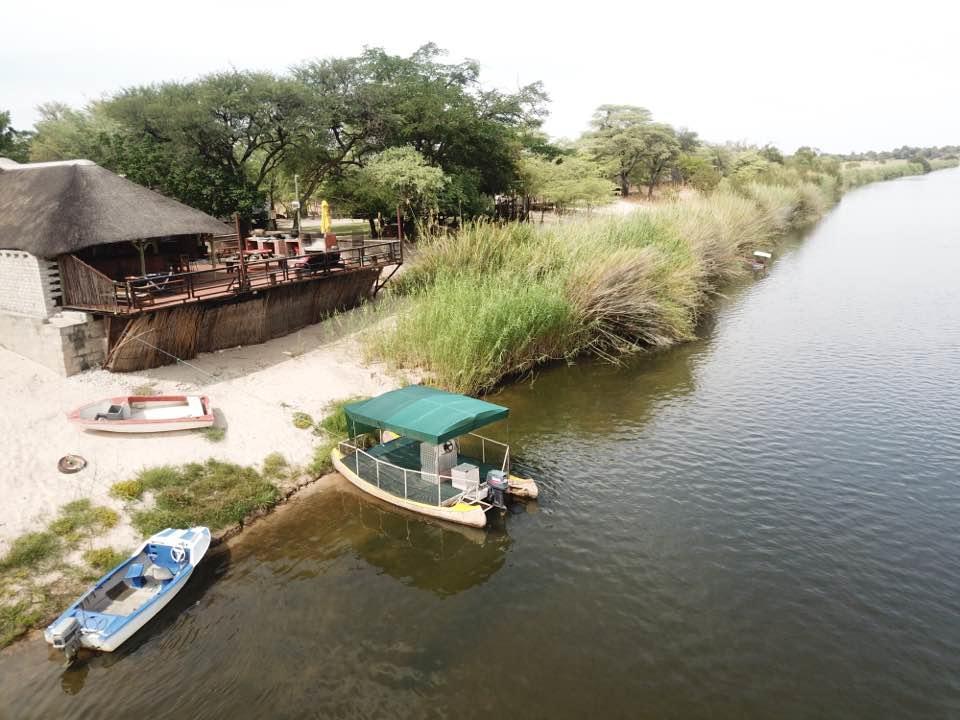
[{"x": 838, "y": 76}]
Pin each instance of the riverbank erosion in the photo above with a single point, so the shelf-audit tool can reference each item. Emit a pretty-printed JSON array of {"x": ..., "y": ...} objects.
[{"x": 496, "y": 301}]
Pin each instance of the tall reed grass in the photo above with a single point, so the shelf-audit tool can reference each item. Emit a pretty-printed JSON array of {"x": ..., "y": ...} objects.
[{"x": 497, "y": 300}]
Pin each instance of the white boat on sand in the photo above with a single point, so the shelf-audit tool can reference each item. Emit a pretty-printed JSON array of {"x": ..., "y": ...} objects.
[
  {"x": 145, "y": 414},
  {"x": 127, "y": 597}
]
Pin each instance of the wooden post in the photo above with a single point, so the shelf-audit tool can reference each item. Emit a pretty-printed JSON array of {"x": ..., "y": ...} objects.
[
  {"x": 399, "y": 226},
  {"x": 241, "y": 246}
]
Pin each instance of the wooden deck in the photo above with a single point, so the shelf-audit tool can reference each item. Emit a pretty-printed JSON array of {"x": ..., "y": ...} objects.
[{"x": 84, "y": 288}]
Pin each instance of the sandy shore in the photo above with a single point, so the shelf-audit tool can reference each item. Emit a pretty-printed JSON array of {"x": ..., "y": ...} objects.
[{"x": 255, "y": 390}]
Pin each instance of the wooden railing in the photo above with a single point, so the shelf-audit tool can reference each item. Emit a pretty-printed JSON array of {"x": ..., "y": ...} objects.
[
  {"x": 84, "y": 285},
  {"x": 160, "y": 290}
]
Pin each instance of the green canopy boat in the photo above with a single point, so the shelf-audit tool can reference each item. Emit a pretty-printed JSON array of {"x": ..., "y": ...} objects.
[{"x": 421, "y": 461}]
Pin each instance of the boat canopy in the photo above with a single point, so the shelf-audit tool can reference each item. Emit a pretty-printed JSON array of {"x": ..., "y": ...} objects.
[{"x": 423, "y": 413}]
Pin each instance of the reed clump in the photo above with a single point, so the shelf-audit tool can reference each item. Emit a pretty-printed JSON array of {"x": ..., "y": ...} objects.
[{"x": 498, "y": 300}]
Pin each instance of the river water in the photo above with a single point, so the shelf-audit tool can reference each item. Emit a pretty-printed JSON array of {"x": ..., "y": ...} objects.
[{"x": 762, "y": 523}]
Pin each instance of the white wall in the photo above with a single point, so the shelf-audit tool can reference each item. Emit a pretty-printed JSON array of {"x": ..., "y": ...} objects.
[{"x": 28, "y": 285}]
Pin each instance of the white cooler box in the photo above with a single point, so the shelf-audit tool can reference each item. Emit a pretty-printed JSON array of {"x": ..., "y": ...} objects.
[{"x": 466, "y": 477}]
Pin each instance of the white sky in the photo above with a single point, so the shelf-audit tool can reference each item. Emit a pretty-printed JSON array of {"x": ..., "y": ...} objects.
[{"x": 836, "y": 75}]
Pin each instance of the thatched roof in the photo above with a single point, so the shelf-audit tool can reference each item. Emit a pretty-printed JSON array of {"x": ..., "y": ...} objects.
[{"x": 49, "y": 209}]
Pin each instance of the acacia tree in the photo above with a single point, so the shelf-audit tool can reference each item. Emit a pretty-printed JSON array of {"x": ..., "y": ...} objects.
[
  {"x": 566, "y": 182},
  {"x": 657, "y": 149},
  {"x": 616, "y": 140},
  {"x": 404, "y": 176}
]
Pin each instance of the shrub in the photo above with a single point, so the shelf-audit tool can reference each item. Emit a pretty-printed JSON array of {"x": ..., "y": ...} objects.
[
  {"x": 275, "y": 466},
  {"x": 127, "y": 490},
  {"x": 335, "y": 420},
  {"x": 302, "y": 421}
]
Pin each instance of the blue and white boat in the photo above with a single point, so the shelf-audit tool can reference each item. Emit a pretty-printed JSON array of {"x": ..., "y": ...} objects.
[{"x": 127, "y": 597}]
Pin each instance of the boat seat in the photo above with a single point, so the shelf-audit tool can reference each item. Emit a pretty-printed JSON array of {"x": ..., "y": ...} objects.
[
  {"x": 159, "y": 573},
  {"x": 135, "y": 577},
  {"x": 196, "y": 407}
]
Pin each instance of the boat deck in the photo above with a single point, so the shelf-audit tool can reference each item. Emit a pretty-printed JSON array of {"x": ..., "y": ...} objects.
[{"x": 405, "y": 453}]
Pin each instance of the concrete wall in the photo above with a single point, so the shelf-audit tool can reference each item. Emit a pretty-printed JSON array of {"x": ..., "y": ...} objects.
[
  {"x": 67, "y": 343},
  {"x": 28, "y": 285}
]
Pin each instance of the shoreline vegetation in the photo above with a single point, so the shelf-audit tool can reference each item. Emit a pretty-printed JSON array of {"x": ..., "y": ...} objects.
[
  {"x": 496, "y": 301},
  {"x": 45, "y": 570}
]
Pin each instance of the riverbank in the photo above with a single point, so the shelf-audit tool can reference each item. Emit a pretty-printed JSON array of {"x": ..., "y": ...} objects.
[
  {"x": 59, "y": 531},
  {"x": 496, "y": 301}
]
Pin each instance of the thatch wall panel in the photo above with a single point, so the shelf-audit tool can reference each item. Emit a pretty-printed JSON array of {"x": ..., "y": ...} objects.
[{"x": 187, "y": 330}]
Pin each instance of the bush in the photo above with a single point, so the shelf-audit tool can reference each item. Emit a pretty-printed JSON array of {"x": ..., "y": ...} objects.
[{"x": 31, "y": 549}]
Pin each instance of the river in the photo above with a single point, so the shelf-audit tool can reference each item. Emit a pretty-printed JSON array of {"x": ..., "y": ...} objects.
[{"x": 761, "y": 523}]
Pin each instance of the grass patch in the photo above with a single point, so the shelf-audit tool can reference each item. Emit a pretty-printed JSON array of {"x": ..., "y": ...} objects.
[
  {"x": 214, "y": 434},
  {"x": 335, "y": 419},
  {"x": 321, "y": 464},
  {"x": 302, "y": 421},
  {"x": 31, "y": 549},
  {"x": 145, "y": 389},
  {"x": 81, "y": 518},
  {"x": 276, "y": 467},
  {"x": 213, "y": 493},
  {"x": 17, "y": 619},
  {"x": 103, "y": 559}
]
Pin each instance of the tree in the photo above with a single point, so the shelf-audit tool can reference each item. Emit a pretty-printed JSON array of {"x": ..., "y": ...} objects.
[
  {"x": 698, "y": 171},
  {"x": 404, "y": 176},
  {"x": 617, "y": 140},
  {"x": 566, "y": 182},
  {"x": 14, "y": 144},
  {"x": 771, "y": 154},
  {"x": 656, "y": 151}
]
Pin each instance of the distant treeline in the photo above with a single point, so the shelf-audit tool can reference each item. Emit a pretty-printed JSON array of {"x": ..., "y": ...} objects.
[{"x": 377, "y": 134}]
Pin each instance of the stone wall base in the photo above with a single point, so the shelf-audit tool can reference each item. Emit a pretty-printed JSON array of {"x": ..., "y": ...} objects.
[{"x": 67, "y": 343}]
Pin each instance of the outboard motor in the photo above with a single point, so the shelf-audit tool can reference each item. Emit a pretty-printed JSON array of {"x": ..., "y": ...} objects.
[
  {"x": 497, "y": 486},
  {"x": 64, "y": 635}
]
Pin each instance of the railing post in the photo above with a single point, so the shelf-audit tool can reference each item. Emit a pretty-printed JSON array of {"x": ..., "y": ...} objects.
[
  {"x": 483, "y": 450},
  {"x": 378, "y": 473},
  {"x": 439, "y": 497},
  {"x": 404, "y": 483}
]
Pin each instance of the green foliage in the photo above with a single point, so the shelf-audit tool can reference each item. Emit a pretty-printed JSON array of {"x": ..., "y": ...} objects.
[
  {"x": 213, "y": 493},
  {"x": 81, "y": 518},
  {"x": 498, "y": 300},
  {"x": 321, "y": 463},
  {"x": 334, "y": 421},
  {"x": 302, "y": 421},
  {"x": 14, "y": 144},
  {"x": 127, "y": 490},
  {"x": 570, "y": 181},
  {"x": 276, "y": 467},
  {"x": 103, "y": 559},
  {"x": 698, "y": 171},
  {"x": 31, "y": 549},
  {"x": 214, "y": 434},
  {"x": 16, "y": 619}
]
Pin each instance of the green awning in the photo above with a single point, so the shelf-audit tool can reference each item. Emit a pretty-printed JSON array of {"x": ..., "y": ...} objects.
[{"x": 423, "y": 413}]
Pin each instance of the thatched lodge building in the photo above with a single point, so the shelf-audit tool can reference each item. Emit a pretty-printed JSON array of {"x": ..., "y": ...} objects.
[{"x": 96, "y": 270}]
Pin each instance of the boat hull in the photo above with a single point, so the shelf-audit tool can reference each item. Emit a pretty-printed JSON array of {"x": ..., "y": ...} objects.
[
  {"x": 461, "y": 513},
  {"x": 103, "y": 619},
  {"x": 112, "y": 642},
  {"x": 146, "y": 414}
]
